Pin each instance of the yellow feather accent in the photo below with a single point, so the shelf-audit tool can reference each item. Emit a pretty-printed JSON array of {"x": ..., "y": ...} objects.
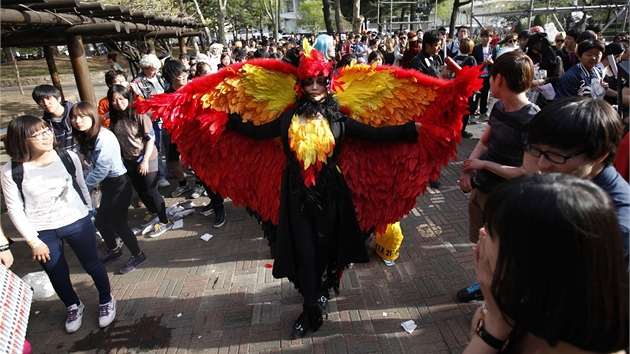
[
  {"x": 259, "y": 95},
  {"x": 307, "y": 48},
  {"x": 312, "y": 141},
  {"x": 369, "y": 93}
]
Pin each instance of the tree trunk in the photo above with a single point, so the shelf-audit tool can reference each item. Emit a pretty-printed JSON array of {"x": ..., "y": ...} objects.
[
  {"x": 221, "y": 22},
  {"x": 8, "y": 53},
  {"x": 327, "y": 21},
  {"x": 357, "y": 19},
  {"x": 205, "y": 26},
  {"x": 272, "y": 8},
  {"x": 456, "y": 5},
  {"x": 276, "y": 27},
  {"x": 338, "y": 17}
]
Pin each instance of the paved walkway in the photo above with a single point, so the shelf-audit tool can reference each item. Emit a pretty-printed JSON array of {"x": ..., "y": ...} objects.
[{"x": 219, "y": 296}]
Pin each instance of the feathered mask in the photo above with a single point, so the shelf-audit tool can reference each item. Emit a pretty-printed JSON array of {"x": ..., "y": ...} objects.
[{"x": 313, "y": 63}]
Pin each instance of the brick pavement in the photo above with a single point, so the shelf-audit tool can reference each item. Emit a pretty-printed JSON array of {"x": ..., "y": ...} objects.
[{"x": 219, "y": 297}]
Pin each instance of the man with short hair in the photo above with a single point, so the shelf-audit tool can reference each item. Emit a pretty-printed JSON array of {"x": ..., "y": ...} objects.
[
  {"x": 584, "y": 148},
  {"x": 112, "y": 77},
  {"x": 452, "y": 50},
  {"x": 568, "y": 53},
  {"x": 584, "y": 78},
  {"x": 499, "y": 153},
  {"x": 56, "y": 113},
  {"x": 428, "y": 61}
]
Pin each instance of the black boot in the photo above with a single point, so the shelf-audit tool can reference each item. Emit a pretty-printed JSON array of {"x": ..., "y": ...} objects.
[
  {"x": 315, "y": 319},
  {"x": 310, "y": 319}
]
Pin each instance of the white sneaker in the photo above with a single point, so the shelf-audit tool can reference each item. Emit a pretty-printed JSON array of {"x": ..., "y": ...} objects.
[
  {"x": 198, "y": 191},
  {"x": 107, "y": 313},
  {"x": 75, "y": 317},
  {"x": 163, "y": 183}
]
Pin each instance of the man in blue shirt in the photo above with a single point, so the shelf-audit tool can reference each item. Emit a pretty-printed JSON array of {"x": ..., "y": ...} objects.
[{"x": 579, "y": 136}]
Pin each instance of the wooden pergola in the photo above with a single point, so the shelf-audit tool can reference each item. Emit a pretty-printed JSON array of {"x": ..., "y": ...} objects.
[{"x": 49, "y": 23}]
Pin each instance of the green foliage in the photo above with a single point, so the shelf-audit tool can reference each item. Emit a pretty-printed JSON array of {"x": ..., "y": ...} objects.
[
  {"x": 311, "y": 16},
  {"x": 444, "y": 11},
  {"x": 538, "y": 21},
  {"x": 155, "y": 7},
  {"x": 519, "y": 27}
]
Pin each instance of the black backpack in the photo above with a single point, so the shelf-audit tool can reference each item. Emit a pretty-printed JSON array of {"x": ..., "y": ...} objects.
[{"x": 17, "y": 172}]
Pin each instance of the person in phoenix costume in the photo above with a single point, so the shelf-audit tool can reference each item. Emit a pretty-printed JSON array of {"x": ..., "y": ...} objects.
[{"x": 326, "y": 157}]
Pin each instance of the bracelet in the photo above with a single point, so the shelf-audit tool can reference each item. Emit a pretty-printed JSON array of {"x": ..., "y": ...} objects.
[
  {"x": 4, "y": 247},
  {"x": 488, "y": 338},
  {"x": 36, "y": 244}
]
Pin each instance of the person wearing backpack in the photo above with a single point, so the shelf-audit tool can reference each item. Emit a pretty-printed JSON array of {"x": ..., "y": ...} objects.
[{"x": 48, "y": 202}]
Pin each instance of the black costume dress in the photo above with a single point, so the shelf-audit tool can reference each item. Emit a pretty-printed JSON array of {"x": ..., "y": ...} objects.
[{"x": 343, "y": 242}]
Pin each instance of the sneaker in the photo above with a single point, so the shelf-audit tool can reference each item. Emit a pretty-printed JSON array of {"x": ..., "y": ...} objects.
[
  {"x": 75, "y": 317},
  {"x": 483, "y": 117},
  {"x": 180, "y": 190},
  {"x": 207, "y": 210},
  {"x": 466, "y": 135},
  {"x": 198, "y": 191},
  {"x": 470, "y": 294},
  {"x": 133, "y": 263},
  {"x": 472, "y": 120},
  {"x": 435, "y": 184},
  {"x": 110, "y": 256},
  {"x": 219, "y": 220},
  {"x": 107, "y": 313},
  {"x": 160, "y": 228},
  {"x": 163, "y": 183},
  {"x": 149, "y": 219}
]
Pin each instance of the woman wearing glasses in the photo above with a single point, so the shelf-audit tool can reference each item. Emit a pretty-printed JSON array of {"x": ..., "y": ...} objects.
[
  {"x": 47, "y": 210},
  {"x": 511, "y": 43}
]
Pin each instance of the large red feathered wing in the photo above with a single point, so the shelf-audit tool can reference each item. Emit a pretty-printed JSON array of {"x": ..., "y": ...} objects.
[
  {"x": 385, "y": 179},
  {"x": 247, "y": 171}
]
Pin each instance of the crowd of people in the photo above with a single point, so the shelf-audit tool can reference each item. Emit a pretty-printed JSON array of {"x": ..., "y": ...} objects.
[{"x": 548, "y": 210}]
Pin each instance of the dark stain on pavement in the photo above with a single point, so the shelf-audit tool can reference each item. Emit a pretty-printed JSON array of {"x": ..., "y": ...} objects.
[{"x": 147, "y": 333}]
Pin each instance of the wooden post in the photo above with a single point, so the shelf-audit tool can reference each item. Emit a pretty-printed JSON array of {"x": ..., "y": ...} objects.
[
  {"x": 17, "y": 76},
  {"x": 151, "y": 45},
  {"x": 81, "y": 69},
  {"x": 182, "y": 45},
  {"x": 49, "y": 53}
]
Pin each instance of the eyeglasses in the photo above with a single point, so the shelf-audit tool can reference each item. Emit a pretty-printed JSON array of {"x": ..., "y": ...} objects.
[
  {"x": 39, "y": 136},
  {"x": 512, "y": 41},
  {"x": 554, "y": 157},
  {"x": 559, "y": 40}
]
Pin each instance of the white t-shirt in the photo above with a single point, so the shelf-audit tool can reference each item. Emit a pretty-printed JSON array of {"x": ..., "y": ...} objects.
[{"x": 50, "y": 200}]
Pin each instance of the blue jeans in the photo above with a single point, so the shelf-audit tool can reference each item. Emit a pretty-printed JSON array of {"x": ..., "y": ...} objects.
[{"x": 81, "y": 236}]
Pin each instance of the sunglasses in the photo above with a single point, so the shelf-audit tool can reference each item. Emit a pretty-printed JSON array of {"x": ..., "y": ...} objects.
[
  {"x": 512, "y": 41},
  {"x": 559, "y": 40},
  {"x": 321, "y": 81}
]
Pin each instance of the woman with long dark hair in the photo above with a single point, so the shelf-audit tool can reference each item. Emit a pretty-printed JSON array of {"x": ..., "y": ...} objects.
[
  {"x": 102, "y": 152},
  {"x": 550, "y": 264},
  {"x": 135, "y": 134},
  {"x": 42, "y": 197}
]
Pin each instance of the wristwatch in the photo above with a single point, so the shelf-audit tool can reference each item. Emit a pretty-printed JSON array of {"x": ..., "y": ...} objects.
[{"x": 488, "y": 338}]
